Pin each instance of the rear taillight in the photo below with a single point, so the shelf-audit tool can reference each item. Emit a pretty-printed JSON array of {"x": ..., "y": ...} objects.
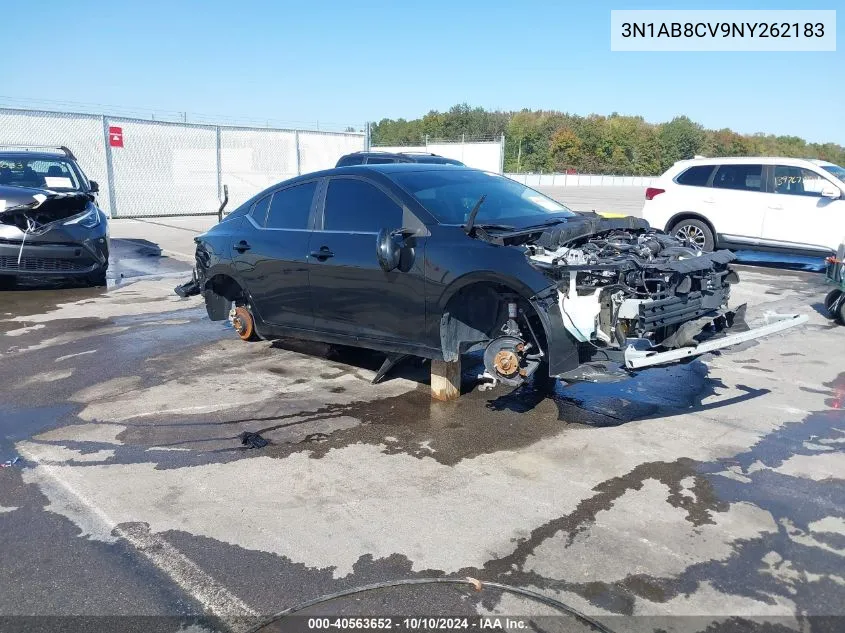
[{"x": 653, "y": 191}]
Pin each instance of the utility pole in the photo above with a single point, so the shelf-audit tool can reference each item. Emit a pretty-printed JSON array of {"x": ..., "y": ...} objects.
[{"x": 519, "y": 156}]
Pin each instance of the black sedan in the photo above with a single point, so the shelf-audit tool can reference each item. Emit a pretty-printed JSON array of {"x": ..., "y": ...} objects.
[{"x": 436, "y": 260}]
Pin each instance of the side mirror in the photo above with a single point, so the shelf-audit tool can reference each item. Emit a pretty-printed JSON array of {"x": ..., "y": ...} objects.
[
  {"x": 95, "y": 187},
  {"x": 389, "y": 246},
  {"x": 831, "y": 192}
]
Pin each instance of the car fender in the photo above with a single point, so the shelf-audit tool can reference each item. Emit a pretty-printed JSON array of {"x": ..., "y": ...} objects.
[
  {"x": 680, "y": 215},
  {"x": 562, "y": 349},
  {"x": 488, "y": 276}
]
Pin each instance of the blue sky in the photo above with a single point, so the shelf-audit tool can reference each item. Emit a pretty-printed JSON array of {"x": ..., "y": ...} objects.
[{"x": 351, "y": 61}]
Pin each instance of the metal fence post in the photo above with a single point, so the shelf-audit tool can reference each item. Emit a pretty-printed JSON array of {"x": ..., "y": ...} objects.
[
  {"x": 367, "y": 141},
  {"x": 502, "y": 155},
  {"x": 109, "y": 168},
  {"x": 298, "y": 159},
  {"x": 219, "y": 165}
]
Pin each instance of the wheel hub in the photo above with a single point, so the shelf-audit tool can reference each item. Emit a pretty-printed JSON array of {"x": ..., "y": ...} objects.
[
  {"x": 239, "y": 325},
  {"x": 242, "y": 323},
  {"x": 506, "y": 362},
  {"x": 692, "y": 234}
]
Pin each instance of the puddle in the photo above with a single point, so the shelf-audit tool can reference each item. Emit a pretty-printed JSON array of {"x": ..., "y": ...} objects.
[
  {"x": 129, "y": 259},
  {"x": 22, "y": 423}
]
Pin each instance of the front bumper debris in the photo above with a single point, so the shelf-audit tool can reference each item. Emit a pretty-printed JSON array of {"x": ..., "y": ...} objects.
[
  {"x": 772, "y": 323},
  {"x": 189, "y": 288}
]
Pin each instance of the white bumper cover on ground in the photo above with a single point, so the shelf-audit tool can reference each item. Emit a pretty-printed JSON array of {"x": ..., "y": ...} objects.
[{"x": 638, "y": 359}]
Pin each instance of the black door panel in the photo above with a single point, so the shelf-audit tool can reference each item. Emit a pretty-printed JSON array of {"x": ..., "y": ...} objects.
[
  {"x": 272, "y": 259},
  {"x": 351, "y": 294}
]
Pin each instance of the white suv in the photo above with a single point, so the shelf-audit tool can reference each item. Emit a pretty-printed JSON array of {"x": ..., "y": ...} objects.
[{"x": 782, "y": 204}]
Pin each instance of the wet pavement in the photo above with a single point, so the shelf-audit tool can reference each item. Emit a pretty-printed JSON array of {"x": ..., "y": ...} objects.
[{"x": 681, "y": 499}]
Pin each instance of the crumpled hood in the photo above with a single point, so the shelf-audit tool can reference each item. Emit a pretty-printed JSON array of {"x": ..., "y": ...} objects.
[
  {"x": 587, "y": 225},
  {"x": 34, "y": 209}
]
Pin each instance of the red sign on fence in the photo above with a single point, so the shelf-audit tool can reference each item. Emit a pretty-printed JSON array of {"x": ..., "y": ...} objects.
[{"x": 116, "y": 136}]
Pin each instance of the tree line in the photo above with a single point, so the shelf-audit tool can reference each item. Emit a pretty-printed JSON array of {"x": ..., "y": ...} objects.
[{"x": 551, "y": 141}]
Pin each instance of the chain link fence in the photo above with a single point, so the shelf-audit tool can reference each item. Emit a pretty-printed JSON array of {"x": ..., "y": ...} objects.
[
  {"x": 154, "y": 168},
  {"x": 82, "y": 133}
]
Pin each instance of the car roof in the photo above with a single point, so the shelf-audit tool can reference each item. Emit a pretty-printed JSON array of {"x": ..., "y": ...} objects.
[
  {"x": 385, "y": 169},
  {"x": 402, "y": 167},
  {"x": 33, "y": 155},
  {"x": 379, "y": 152},
  {"x": 409, "y": 155},
  {"x": 747, "y": 160}
]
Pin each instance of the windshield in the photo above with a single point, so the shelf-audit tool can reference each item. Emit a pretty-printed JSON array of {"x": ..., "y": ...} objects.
[
  {"x": 836, "y": 170},
  {"x": 40, "y": 173},
  {"x": 450, "y": 195}
]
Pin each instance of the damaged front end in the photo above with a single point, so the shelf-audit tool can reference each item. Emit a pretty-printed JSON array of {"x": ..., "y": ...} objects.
[
  {"x": 632, "y": 297},
  {"x": 48, "y": 232}
]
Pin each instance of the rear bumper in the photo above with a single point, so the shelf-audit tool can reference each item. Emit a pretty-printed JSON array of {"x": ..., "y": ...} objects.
[
  {"x": 54, "y": 259},
  {"x": 772, "y": 323}
]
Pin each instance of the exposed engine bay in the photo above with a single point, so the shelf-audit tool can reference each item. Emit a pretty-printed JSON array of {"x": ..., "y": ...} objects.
[
  {"x": 625, "y": 285},
  {"x": 634, "y": 283},
  {"x": 33, "y": 210}
]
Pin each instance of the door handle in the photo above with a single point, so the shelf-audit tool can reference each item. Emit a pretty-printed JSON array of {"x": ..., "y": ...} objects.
[
  {"x": 323, "y": 254},
  {"x": 241, "y": 246}
]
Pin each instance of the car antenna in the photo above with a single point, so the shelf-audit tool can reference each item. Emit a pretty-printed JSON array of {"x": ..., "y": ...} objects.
[{"x": 471, "y": 219}]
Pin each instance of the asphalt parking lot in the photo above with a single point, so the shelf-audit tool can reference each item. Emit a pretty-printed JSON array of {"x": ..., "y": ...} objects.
[{"x": 687, "y": 495}]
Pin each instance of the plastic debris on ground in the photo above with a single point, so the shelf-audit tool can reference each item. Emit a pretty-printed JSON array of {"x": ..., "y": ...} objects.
[{"x": 253, "y": 440}]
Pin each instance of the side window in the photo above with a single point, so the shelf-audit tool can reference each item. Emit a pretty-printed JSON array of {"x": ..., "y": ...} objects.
[
  {"x": 355, "y": 205},
  {"x": 741, "y": 177},
  {"x": 351, "y": 159},
  {"x": 695, "y": 176},
  {"x": 380, "y": 160},
  {"x": 291, "y": 207},
  {"x": 797, "y": 181},
  {"x": 259, "y": 210}
]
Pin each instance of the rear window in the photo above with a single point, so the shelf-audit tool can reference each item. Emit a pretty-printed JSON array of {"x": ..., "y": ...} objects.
[
  {"x": 345, "y": 161},
  {"x": 259, "y": 210},
  {"x": 437, "y": 160},
  {"x": 380, "y": 160},
  {"x": 739, "y": 177},
  {"x": 291, "y": 207},
  {"x": 695, "y": 176}
]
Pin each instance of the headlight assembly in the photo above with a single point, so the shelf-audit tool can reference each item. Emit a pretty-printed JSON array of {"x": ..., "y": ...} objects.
[{"x": 89, "y": 219}]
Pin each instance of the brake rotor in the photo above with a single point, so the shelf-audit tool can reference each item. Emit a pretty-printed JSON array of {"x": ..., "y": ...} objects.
[
  {"x": 243, "y": 323},
  {"x": 503, "y": 359}
]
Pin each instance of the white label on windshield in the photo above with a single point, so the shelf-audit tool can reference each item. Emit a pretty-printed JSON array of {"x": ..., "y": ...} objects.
[
  {"x": 551, "y": 205},
  {"x": 58, "y": 181},
  {"x": 2, "y": 205}
]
